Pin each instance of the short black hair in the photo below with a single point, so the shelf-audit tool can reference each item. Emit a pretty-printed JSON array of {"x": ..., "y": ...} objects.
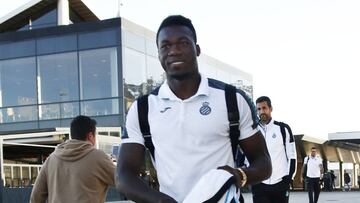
[
  {"x": 81, "y": 126},
  {"x": 313, "y": 148},
  {"x": 177, "y": 20},
  {"x": 264, "y": 98}
]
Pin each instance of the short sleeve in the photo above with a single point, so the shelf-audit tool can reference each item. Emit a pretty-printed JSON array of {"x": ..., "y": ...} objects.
[
  {"x": 132, "y": 133},
  {"x": 320, "y": 161},
  {"x": 248, "y": 118}
]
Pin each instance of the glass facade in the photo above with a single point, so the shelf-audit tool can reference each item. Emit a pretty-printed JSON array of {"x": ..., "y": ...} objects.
[
  {"x": 98, "y": 73},
  {"x": 18, "y": 82},
  {"x": 99, "y": 70},
  {"x": 49, "y": 19},
  {"x": 60, "y": 76},
  {"x": 141, "y": 67}
]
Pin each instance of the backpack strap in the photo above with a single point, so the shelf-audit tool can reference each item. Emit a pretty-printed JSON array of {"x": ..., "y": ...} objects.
[
  {"x": 233, "y": 116},
  {"x": 143, "y": 111},
  {"x": 283, "y": 133},
  {"x": 284, "y": 126},
  {"x": 234, "y": 119}
]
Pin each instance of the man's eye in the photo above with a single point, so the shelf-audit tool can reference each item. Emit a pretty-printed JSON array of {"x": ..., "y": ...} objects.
[
  {"x": 165, "y": 46},
  {"x": 184, "y": 43}
]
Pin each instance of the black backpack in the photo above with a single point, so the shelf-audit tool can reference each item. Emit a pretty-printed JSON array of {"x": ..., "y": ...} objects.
[{"x": 305, "y": 168}]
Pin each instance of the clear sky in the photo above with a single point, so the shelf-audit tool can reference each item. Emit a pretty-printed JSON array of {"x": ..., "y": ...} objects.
[{"x": 303, "y": 54}]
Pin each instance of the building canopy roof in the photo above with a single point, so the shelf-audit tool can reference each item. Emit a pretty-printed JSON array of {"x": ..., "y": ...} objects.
[{"x": 36, "y": 8}]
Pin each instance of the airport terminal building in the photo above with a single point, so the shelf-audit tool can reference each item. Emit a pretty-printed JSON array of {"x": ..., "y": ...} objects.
[{"x": 59, "y": 60}]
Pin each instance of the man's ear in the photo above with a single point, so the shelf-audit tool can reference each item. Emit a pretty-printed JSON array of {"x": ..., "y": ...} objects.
[
  {"x": 88, "y": 136},
  {"x": 198, "y": 50},
  {"x": 91, "y": 137}
]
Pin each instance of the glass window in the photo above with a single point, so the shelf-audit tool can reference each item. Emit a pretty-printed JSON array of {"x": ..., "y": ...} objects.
[
  {"x": 98, "y": 73},
  {"x": 134, "y": 73},
  {"x": 98, "y": 39},
  {"x": 16, "y": 176},
  {"x": 155, "y": 73},
  {"x": 115, "y": 134},
  {"x": 58, "y": 78},
  {"x": 100, "y": 107},
  {"x": 56, "y": 111},
  {"x": 7, "y": 174},
  {"x": 56, "y": 44},
  {"x": 18, "y": 114},
  {"x": 34, "y": 173},
  {"x": 50, "y": 111},
  {"x": 17, "y": 49},
  {"x": 134, "y": 41},
  {"x": 69, "y": 110},
  {"x": 103, "y": 133},
  {"x": 17, "y": 82},
  {"x": 47, "y": 20},
  {"x": 134, "y": 67},
  {"x": 151, "y": 48},
  {"x": 25, "y": 176}
]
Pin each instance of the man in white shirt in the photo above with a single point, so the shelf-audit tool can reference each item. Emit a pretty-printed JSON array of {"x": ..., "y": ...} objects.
[
  {"x": 313, "y": 168},
  {"x": 189, "y": 126},
  {"x": 280, "y": 143}
]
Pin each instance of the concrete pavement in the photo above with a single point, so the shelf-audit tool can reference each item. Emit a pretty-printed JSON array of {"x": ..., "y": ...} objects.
[
  {"x": 325, "y": 197},
  {"x": 302, "y": 197}
]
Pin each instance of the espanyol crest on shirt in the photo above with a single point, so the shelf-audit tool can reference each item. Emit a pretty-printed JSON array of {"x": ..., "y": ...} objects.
[{"x": 205, "y": 109}]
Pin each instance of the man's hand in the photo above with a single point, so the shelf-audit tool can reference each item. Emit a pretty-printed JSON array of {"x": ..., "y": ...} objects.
[
  {"x": 235, "y": 172},
  {"x": 287, "y": 179}
]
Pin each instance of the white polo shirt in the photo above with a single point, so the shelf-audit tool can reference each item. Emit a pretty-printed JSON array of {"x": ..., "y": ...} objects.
[
  {"x": 190, "y": 136},
  {"x": 313, "y": 166}
]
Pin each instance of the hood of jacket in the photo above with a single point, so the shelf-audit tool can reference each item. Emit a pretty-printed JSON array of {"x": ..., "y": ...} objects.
[{"x": 73, "y": 150}]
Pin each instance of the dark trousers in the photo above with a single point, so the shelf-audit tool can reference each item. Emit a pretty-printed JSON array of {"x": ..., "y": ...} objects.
[
  {"x": 277, "y": 193},
  {"x": 313, "y": 187}
]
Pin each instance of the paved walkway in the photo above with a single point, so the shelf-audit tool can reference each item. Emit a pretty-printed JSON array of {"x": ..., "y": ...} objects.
[
  {"x": 325, "y": 197},
  {"x": 301, "y": 197}
]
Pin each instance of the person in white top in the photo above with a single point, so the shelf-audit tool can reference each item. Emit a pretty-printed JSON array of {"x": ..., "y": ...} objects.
[
  {"x": 313, "y": 170},
  {"x": 281, "y": 146},
  {"x": 189, "y": 126}
]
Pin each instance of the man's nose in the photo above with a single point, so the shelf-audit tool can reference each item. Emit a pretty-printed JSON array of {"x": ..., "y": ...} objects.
[{"x": 174, "y": 50}]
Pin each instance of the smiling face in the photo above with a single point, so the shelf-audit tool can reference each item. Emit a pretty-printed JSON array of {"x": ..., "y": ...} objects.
[{"x": 178, "y": 52}]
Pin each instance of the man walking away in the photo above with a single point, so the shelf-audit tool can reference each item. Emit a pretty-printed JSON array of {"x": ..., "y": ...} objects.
[{"x": 75, "y": 171}]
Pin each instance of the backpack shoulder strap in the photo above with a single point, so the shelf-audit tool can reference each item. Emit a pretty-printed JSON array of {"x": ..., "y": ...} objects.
[
  {"x": 233, "y": 116},
  {"x": 143, "y": 111},
  {"x": 283, "y": 133}
]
